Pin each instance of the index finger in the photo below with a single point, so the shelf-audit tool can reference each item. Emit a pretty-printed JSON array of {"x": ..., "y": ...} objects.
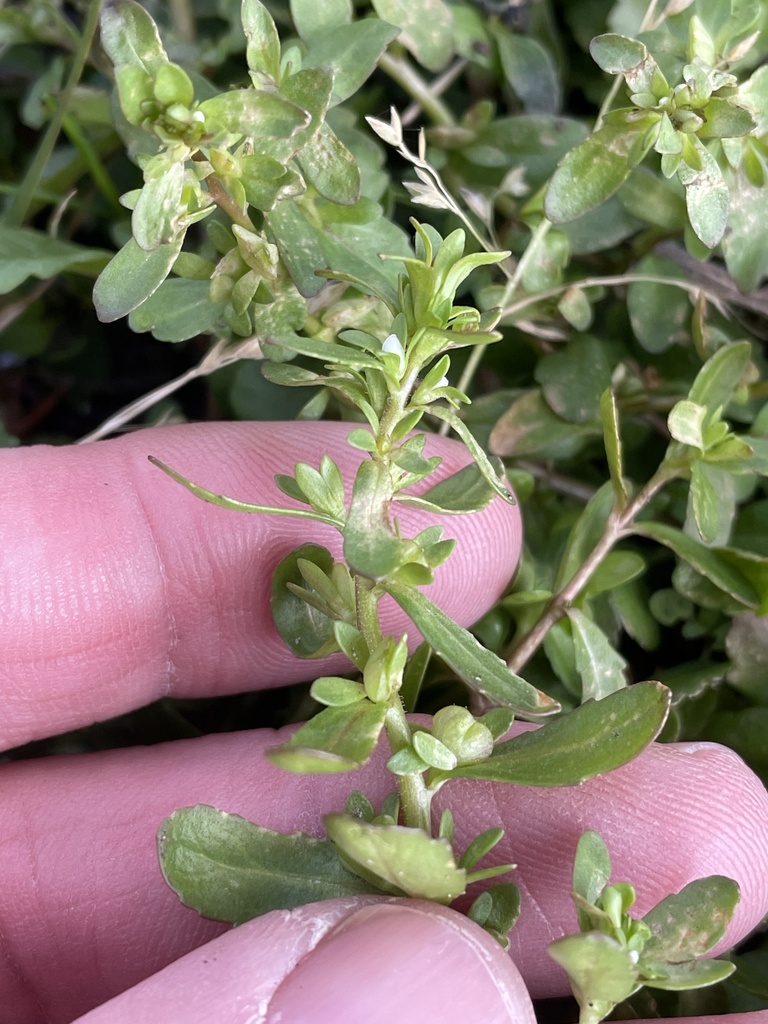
[{"x": 118, "y": 587}]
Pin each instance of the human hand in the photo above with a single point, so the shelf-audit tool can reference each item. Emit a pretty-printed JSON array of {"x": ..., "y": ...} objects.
[{"x": 116, "y": 588}]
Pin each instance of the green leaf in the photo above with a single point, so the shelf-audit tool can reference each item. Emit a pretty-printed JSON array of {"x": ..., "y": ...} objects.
[
  {"x": 131, "y": 276},
  {"x": 706, "y": 198},
  {"x": 370, "y": 545},
  {"x": 585, "y": 533},
  {"x": 594, "y": 170},
  {"x": 573, "y": 380},
  {"x": 263, "y": 42},
  {"x": 480, "y": 846},
  {"x": 689, "y": 923},
  {"x": 426, "y": 29},
  {"x": 230, "y": 869},
  {"x": 744, "y": 249},
  {"x": 719, "y": 377},
  {"x": 725, "y": 120},
  {"x": 432, "y": 751},
  {"x": 337, "y": 739},
  {"x": 497, "y": 910},
  {"x": 660, "y": 314},
  {"x": 351, "y": 52},
  {"x": 592, "y": 740},
  {"x": 618, "y": 568},
  {"x": 529, "y": 69},
  {"x": 312, "y": 18},
  {"x": 336, "y": 691},
  {"x": 686, "y": 423},
  {"x": 466, "y": 490},
  {"x": 159, "y": 214},
  {"x": 709, "y": 563},
  {"x": 601, "y": 667},
  {"x": 692, "y": 974},
  {"x": 413, "y": 676},
  {"x": 530, "y": 427},
  {"x": 484, "y": 464},
  {"x": 711, "y": 505},
  {"x": 591, "y": 869},
  {"x": 330, "y": 167},
  {"x": 477, "y": 666},
  {"x": 305, "y": 630},
  {"x": 254, "y": 113},
  {"x": 130, "y": 37},
  {"x": 609, "y": 416},
  {"x": 27, "y": 253},
  {"x": 601, "y": 971},
  {"x": 178, "y": 310},
  {"x": 403, "y": 861},
  {"x": 622, "y": 55}
]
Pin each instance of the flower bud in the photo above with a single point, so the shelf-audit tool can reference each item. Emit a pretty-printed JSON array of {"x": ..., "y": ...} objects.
[{"x": 470, "y": 740}]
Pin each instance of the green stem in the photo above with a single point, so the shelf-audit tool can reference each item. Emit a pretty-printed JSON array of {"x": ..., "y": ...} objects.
[
  {"x": 415, "y": 798},
  {"x": 92, "y": 161},
  {"x": 402, "y": 71},
  {"x": 619, "y": 525},
  {"x": 16, "y": 213},
  {"x": 367, "y": 605}
]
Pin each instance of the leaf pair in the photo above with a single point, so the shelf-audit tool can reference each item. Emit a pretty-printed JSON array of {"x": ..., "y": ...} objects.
[{"x": 616, "y": 954}]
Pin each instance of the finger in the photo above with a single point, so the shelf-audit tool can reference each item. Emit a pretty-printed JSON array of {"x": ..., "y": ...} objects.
[
  {"x": 335, "y": 961},
  {"x": 83, "y": 898},
  {"x": 117, "y": 586}
]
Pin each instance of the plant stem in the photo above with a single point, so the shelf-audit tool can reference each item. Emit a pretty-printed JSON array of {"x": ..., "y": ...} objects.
[
  {"x": 611, "y": 281},
  {"x": 619, "y": 525},
  {"x": 17, "y": 211},
  {"x": 402, "y": 71},
  {"x": 223, "y": 199}
]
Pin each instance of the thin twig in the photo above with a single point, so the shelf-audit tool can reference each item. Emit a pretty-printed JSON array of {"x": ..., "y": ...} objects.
[
  {"x": 222, "y": 354},
  {"x": 619, "y": 525}
]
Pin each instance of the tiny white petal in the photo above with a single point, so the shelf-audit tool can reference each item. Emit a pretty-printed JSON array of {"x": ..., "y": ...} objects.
[
  {"x": 442, "y": 383},
  {"x": 634, "y": 956},
  {"x": 198, "y": 115},
  {"x": 393, "y": 344}
]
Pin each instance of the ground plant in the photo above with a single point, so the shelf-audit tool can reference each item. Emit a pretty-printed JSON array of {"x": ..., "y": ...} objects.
[{"x": 536, "y": 226}]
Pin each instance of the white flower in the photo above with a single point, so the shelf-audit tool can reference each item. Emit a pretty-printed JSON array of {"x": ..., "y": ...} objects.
[{"x": 392, "y": 344}]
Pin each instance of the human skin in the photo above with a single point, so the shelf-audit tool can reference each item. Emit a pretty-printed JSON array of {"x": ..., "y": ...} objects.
[{"x": 118, "y": 587}]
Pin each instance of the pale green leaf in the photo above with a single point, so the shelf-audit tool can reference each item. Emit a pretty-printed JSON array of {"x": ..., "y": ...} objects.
[
  {"x": 593, "y": 171},
  {"x": 263, "y": 42},
  {"x": 330, "y": 167},
  {"x": 601, "y": 971},
  {"x": 403, "y": 861},
  {"x": 178, "y": 310},
  {"x": 686, "y": 423},
  {"x": 312, "y": 18},
  {"x": 706, "y": 198},
  {"x": 529, "y": 69},
  {"x": 25, "y": 253},
  {"x": 692, "y": 974},
  {"x": 351, "y": 52},
  {"x": 130, "y": 36},
  {"x": 719, "y": 377},
  {"x": 426, "y": 28},
  {"x": 601, "y": 668},
  {"x": 338, "y": 739},
  {"x": 689, "y": 923},
  {"x": 132, "y": 276}
]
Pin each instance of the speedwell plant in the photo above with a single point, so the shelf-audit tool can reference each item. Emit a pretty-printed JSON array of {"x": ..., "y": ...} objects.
[{"x": 262, "y": 220}]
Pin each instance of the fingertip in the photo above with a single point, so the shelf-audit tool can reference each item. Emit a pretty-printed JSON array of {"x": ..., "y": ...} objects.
[
  {"x": 405, "y": 962},
  {"x": 343, "y": 961}
]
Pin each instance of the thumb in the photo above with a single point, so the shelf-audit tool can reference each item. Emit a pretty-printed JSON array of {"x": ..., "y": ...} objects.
[{"x": 342, "y": 961}]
